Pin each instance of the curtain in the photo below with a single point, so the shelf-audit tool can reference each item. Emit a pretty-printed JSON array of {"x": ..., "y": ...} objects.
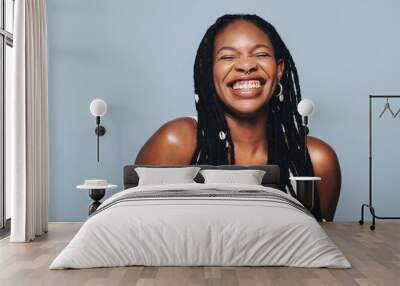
[{"x": 28, "y": 123}]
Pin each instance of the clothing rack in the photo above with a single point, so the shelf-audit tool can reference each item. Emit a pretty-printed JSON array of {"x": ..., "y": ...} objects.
[{"x": 370, "y": 205}]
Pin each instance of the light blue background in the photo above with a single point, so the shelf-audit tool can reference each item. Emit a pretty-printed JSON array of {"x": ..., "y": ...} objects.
[{"x": 138, "y": 56}]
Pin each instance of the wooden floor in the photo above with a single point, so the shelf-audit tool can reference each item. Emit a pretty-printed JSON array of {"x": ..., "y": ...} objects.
[{"x": 375, "y": 257}]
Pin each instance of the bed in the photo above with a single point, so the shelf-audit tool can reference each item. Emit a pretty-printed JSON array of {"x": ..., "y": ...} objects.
[{"x": 201, "y": 224}]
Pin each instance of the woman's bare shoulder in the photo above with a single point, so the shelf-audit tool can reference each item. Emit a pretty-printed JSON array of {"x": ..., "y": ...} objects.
[
  {"x": 326, "y": 165},
  {"x": 321, "y": 153},
  {"x": 174, "y": 143}
]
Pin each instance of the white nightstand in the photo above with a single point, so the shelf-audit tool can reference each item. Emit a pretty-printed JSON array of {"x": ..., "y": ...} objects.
[
  {"x": 97, "y": 190},
  {"x": 305, "y": 190}
]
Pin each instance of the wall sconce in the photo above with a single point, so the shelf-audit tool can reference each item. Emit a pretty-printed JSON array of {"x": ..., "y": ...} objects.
[
  {"x": 306, "y": 185},
  {"x": 98, "y": 108},
  {"x": 305, "y": 108}
]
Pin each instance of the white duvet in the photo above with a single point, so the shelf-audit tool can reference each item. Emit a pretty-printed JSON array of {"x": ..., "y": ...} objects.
[{"x": 183, "y": 231}]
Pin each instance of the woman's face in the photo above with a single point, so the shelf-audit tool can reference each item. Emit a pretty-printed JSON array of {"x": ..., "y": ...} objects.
[{"x": 245, "y": 71}]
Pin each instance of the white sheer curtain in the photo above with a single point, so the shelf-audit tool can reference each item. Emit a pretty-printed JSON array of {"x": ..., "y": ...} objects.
[{"x": 27, "y": 123}]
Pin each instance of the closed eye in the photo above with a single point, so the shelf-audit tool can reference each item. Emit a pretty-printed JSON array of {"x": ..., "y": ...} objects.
[
  {"x": 227, "y": 58},
  {"x": 262, "y": 55}
]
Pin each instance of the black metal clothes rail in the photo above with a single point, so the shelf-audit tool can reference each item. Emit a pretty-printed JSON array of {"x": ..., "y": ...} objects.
[{"x": 370, "y": 204}]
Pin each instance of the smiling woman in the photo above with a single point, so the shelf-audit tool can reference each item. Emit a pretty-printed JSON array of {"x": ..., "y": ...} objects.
[{"x": 246, "y": 93}]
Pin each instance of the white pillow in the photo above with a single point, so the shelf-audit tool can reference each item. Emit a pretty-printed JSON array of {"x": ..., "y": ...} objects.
[
  {"x": 162, "y": 176},
  {"x": 248, "y": 177}
]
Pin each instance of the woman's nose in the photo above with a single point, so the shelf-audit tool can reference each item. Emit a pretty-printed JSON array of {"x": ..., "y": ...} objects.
[{"x": 246, "y": 66}]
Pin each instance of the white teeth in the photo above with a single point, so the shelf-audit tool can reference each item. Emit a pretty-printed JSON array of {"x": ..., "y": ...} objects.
[{"x": 246, "y": 84}]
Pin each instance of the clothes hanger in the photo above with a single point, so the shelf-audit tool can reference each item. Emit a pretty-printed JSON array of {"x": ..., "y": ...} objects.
[
  {"x": 397, "y": 113},
  {"x": 387, "y": 107}
]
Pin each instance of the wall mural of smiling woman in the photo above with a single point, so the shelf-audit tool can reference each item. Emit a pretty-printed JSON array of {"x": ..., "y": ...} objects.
[{"x": 241, "y": 65}]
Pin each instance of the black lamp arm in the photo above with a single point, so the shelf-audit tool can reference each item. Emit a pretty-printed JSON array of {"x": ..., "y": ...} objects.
[
  {"x": 305, "y": 120},
  {"x": 305, "y": 132},
  {"x": 100, "y": 131}
]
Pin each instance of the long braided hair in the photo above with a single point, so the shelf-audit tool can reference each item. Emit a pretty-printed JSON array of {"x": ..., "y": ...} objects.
[{"x": 284, "y": 126}]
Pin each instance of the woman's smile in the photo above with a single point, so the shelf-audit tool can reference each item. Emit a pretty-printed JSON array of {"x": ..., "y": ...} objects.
[{"x": 247, "y": 87}]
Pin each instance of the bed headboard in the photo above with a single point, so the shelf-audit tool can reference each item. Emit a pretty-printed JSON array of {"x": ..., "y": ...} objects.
[{"x": 271, "y": 177}]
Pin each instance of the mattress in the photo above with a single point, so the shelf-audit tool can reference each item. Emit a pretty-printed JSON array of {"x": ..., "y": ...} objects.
[{"x": 201, "y": 225}]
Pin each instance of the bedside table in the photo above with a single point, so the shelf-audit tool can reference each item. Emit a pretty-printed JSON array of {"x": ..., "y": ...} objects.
[
  {"x": 305, "y": 190},
  {"x": 97, "y": 190}
]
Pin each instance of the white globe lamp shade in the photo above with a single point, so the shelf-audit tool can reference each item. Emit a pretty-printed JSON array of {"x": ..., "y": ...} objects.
[
  {"x": 98, "y": 107},
  {"x": 305, "y": 107}
]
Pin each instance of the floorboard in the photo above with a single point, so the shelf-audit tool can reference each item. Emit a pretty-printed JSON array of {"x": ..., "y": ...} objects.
[{"x": 375, "y": 257}]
